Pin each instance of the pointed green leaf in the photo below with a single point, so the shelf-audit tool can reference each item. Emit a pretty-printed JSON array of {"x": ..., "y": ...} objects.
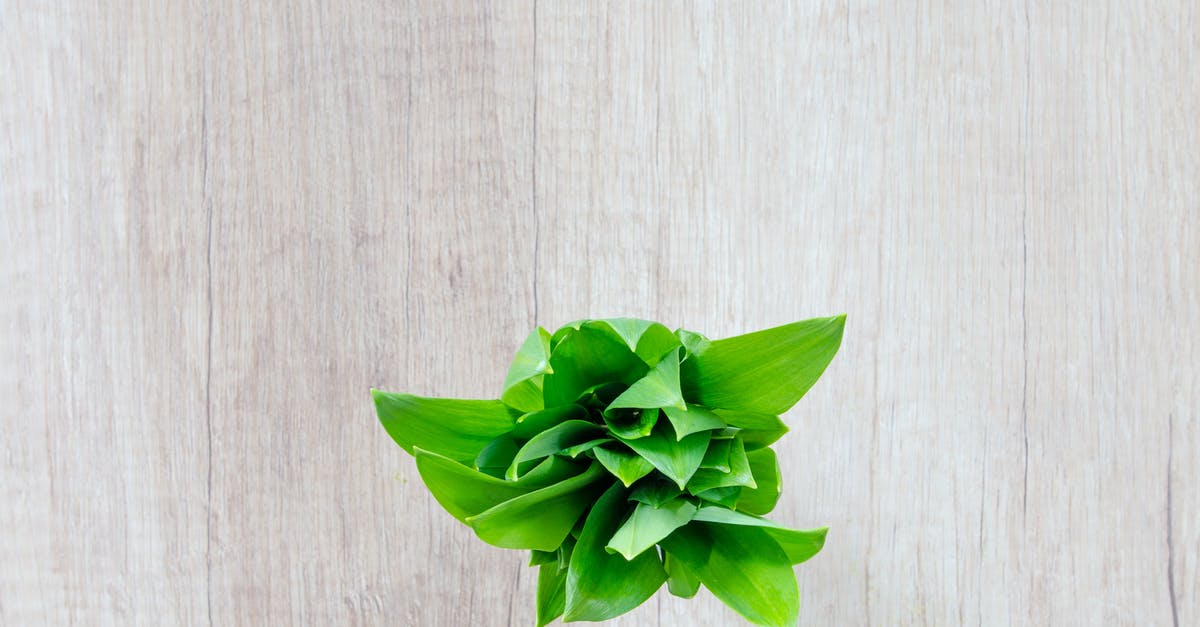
[
  {"x": 457, "y": 429},
  {"x": 464, "y": 491},
  {"x": 757, "y": 430},
  {"x": 601, "y": 585},
  {"x": 765, "y": 468},
  {"x": 677, "y": 460},
  {"x": 797, "y": 544},
  {"x": 631, "y": 423},
  {"x": 717, "y": 455},
  {"x": 725, "y": 497},
  {"x": 533, "y": 423},
  {"x": 587, "y": 357},
  {"x": 743, "y": 567},
  {"x": 681, "y": 582},
  {"x": 624, "y": 465},
  {"x": 738, "y": 474},
  {"x": 649, "y": 340},
  {"x": 495, "y": 458},
  {"x": 693, "y": 342},
  {"x": 647, "y": 525},
  {"x": 655, "y": 491},
  {"x": 692, "y": 419},
  {"x": 537, "y": 558},
  {"x": 554, "y": 440},
  {"x": 551, "y": 593},
  {"x": 542, "y": 518},
  {"x": 568, "y": 546},
  {"x": 575, "y": 451},
  {"x": 658, "y": 388},
  {"x": 532, "y": 359},
  {"x": 766, "y": 371}
]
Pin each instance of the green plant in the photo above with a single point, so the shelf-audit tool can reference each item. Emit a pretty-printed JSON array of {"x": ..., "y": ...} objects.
[{"x": 624, "y": 455}]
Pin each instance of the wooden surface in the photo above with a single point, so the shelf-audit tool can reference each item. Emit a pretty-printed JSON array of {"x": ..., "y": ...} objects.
[{"x": 222, "y": 222}]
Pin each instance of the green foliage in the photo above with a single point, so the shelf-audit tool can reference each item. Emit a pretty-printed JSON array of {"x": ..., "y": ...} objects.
[{"x": 624, "y": 456}]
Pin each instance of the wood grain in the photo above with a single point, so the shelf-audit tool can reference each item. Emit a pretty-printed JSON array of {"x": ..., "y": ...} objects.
[{"x": 221, "y": 223}]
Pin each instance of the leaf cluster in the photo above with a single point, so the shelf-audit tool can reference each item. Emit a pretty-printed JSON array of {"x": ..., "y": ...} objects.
[{"x": 623, "y": 456}]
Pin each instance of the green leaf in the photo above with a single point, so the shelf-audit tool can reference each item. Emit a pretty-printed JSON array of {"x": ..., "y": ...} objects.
[
  {"x": 655, "y": 491},
  {"x": 631, "y": 423},
  {"x": 765, "y": 468},
  {"x": 797, "y": 544},
  {"x": 647, "y": 525},
  {"x": 601, "y": 585},
  {"x": 692, "y": 342},
  {"x": 554, "y": 440},
  {"x": 454, "y": 428},
  {"x": 717, "y": 455},
  {"x": 765, "y": 371},
  {"x": 725, "y": 497},
  {"x": 541, "y": 519},
  {"x": 738, "y": 474},
  {"x": 537, "y": 558},
  {"x": 658, "y": 388},
  {"x": 757, "y": 430},
  {"x": 523, "y": 384},
  {"x": 585, "y": 358},
  {"x": 624, "y": 465},
  {"x": 551, "y": 593},
  {"x": 681, "y": 582},
  {"x": 648, "y": 340},
  {"x": 692, "y": 420},
  {"x": 533, "y": 423},
  {"x": 496, "y": 456},
  {"x": 743, "y": 567},
  {"x": 677, "y": 460},
  {"x": 464, "y": 491}
]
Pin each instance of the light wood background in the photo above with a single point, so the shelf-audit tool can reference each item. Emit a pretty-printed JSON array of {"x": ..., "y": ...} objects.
[{"x": 222, "y": 222}]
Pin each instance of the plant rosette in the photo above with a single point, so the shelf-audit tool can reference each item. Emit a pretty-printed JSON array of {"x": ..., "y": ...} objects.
[{"x": 623, "y": 455}]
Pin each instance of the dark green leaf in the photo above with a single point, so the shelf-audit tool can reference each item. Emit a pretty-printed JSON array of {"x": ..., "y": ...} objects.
[
  {"x": 797, "y": 544},
  {"x": 542, "y": 518},
  {"x": 454, "y": 428},
  {"x": 551, "y": 593},
  {"x": 631, "y": 423},
  {"x": 743, "y": 567},
  {"x": 495, "y": 458},
  {"x": 464, "y": 491},
  {"x": 601, "y": 585},
  {"x": 680, "y": 581},
  {"x": 574, "y": 451},
  {"x": 624, "y": 465},
  {"x": 536, "y": 422},
  {"x": 537, "y": 558},
  {"x": 725, "y": 497},
  {"x": 692, "y": 420},
  {"x": 647, "y": 525},
  {"x": 717, "y": 455},
  {"x": 758, "y": 430},
  {"x": 655, "y": 491},
  {"x": 677, "y": 460},
  {"x": 658, "y": 388},
  {"x": 553, "y": 440},
  {"x": 766, "y": 371},
  {"x": 738, "y": 475},
  {"x": 587, "y": 357},
  {"x": 765, "y": 468}
]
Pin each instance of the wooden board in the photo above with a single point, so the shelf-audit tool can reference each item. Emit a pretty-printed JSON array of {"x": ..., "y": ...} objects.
[{"x": 222, "y": 223}]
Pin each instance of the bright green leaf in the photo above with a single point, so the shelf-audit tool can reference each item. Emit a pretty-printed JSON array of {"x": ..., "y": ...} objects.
[
  {"x": 537, "y": 558},
  {"x": 717, "y": 455},
  {"x": 624, "y": 465},
  {"x": 692, "y": 420},
  {"x": 575, "y": 451},
  {"x": 655, "y": 491},
  {"x": 631, "y": 423},
  {"x": 658, "y": 388},
  {"x": 495, "y": 458},
  {"x": 647, "y": 525},
  {"x": 738, "y": 474},
  {"x": 533, "y": 423},
  {"x": 542, "y": 518},
  {"x": 757, "y": 430},
  {"x": 551, "y": 593},
  {"x": 601, "y": 585},
  {"x": 554, "y": 440},
  {"x": 587, "y": 357},
  {"x": 797, "y": 544},
  {"x": 677, "y": 460},
  {"x": 765, "y": 371},
  {"x": 765, "y": 468},
  {"x": 464, "y": 491},
  {"x": 743, "y": 567},
  {"x": 725, "y": 497},
  {"x": 681, "y": 582},
  {"x": 454, "y": 428}
]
